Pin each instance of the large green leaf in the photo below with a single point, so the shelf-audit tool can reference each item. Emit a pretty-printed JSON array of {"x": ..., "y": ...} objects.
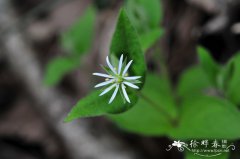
[
  {"x": 94, "y": 105},
  {"x": 146, "y": 117},
  {"x": 232, "y": 80},
  {"x": 125, "y": 41},
  {"x": 149, "y": 38},
  {"x": 204, "y": 117},
  {"x": 59, "y": 67},
  {"x": 193, "y": 82},
  {"x": 78, "y": 38},
  {"x": 210, "y": 67}
]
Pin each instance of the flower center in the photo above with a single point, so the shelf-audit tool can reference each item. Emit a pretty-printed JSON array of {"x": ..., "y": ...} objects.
[{"x": 119, "y": 79}]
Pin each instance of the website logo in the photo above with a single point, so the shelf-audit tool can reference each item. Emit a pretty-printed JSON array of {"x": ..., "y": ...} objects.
[{"x": 204, "y": 148}]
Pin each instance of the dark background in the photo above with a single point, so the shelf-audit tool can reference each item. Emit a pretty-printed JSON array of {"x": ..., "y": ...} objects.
[{"x": 31, "y": 114}]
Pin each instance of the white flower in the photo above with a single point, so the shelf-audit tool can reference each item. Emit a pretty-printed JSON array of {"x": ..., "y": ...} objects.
[{"x": 118, "y": 79}]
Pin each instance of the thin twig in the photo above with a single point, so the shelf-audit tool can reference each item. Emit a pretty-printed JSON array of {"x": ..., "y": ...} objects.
[{"x": 158, "y": 108}]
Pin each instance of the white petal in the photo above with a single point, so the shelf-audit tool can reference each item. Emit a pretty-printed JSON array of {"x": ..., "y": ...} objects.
[
  {"x": 132, "y": 77},
  {"x": 104, "y": 83},
  {"x": 108, "y": 89},
  {"x": 110, "y": 66},
  {"x": 126, "y": 68},
  {"x": 131, "y": 85},
  {"x": 120, "y": 64},
  {"x": 114, "y": 94},
  {"x": 103, "y": 75},
  {"x": 125, "y": 93}
]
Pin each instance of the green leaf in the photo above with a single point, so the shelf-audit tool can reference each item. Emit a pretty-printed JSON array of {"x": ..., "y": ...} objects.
[
  {"x": 205, "y": 117},
  {"x": 149, "y": 38},
  {"x": 94, "y": 105},
  {"x": 138, "y": 16},
  {"x": 191, "y": 155},
  {"x": 193, "y": 82},
  {"x": 78, "y": 38},
  {"x": 145, "y": 118},
  {"x": 232, "y": 80},
  {"x": 145, "y": 15},
  {"x": 225, "y": 75},
  {"x": 59, "y": 67},
  {"x": 210, "y": 67},
  {"x": 153, "y": 10},
  {"x": 125, "y": 41}
]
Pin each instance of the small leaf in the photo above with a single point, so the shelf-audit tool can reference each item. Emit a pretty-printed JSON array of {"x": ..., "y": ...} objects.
[
  {"x": 205, "y": 117},
  {"x": 232, "y": 80},
  {"x": 193, "y": 81},
  {"x": 149, "y": 38},
  {"x": 145, "y": 15},
  {"x": 154, "y": 11},
  {"x": 226, "y": 74},
  {"x": 59, "y": 67},
  {"x": 210, "y": 67},
  {"x": 78, "y": 39},
  {"x": 145, "y": 118},
  {"x": 138, "y": 16},
  {"x": 94, "y": 105},
  {"x": 125, "y": 41}
]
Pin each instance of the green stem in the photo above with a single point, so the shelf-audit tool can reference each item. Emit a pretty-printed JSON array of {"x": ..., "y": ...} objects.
[{"x": 158, "y": 108}]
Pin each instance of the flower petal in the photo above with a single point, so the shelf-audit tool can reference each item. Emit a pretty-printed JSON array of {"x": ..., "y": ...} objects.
[
  {"x": 103, "y": 75},
  {"x": 120, "y": 64},
  {"x": 110, "y": 66},
  {"x": 132, "y": 77},
  {"x": 131, "y": 85},
  {"x": 108, "y": 89},
  {"x": 114, "y": 94},
  {"x": 126, "y": 68},
  {"x": 104, "y": 83},
  {"x": 125, "y": 93}
]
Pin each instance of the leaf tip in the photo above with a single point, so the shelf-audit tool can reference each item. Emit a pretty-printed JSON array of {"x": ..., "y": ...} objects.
[
  {"x": 122, "y": 13},
  {"x": 201, "y": 50},
  {"x": 68, "y": 119}
]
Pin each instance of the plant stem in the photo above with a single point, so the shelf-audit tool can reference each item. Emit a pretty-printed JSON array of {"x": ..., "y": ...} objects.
[{"x": 158, "y": 108}]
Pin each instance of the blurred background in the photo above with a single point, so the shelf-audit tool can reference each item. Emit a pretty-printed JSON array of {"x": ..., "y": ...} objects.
[{"x": 32, "y": 35}]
